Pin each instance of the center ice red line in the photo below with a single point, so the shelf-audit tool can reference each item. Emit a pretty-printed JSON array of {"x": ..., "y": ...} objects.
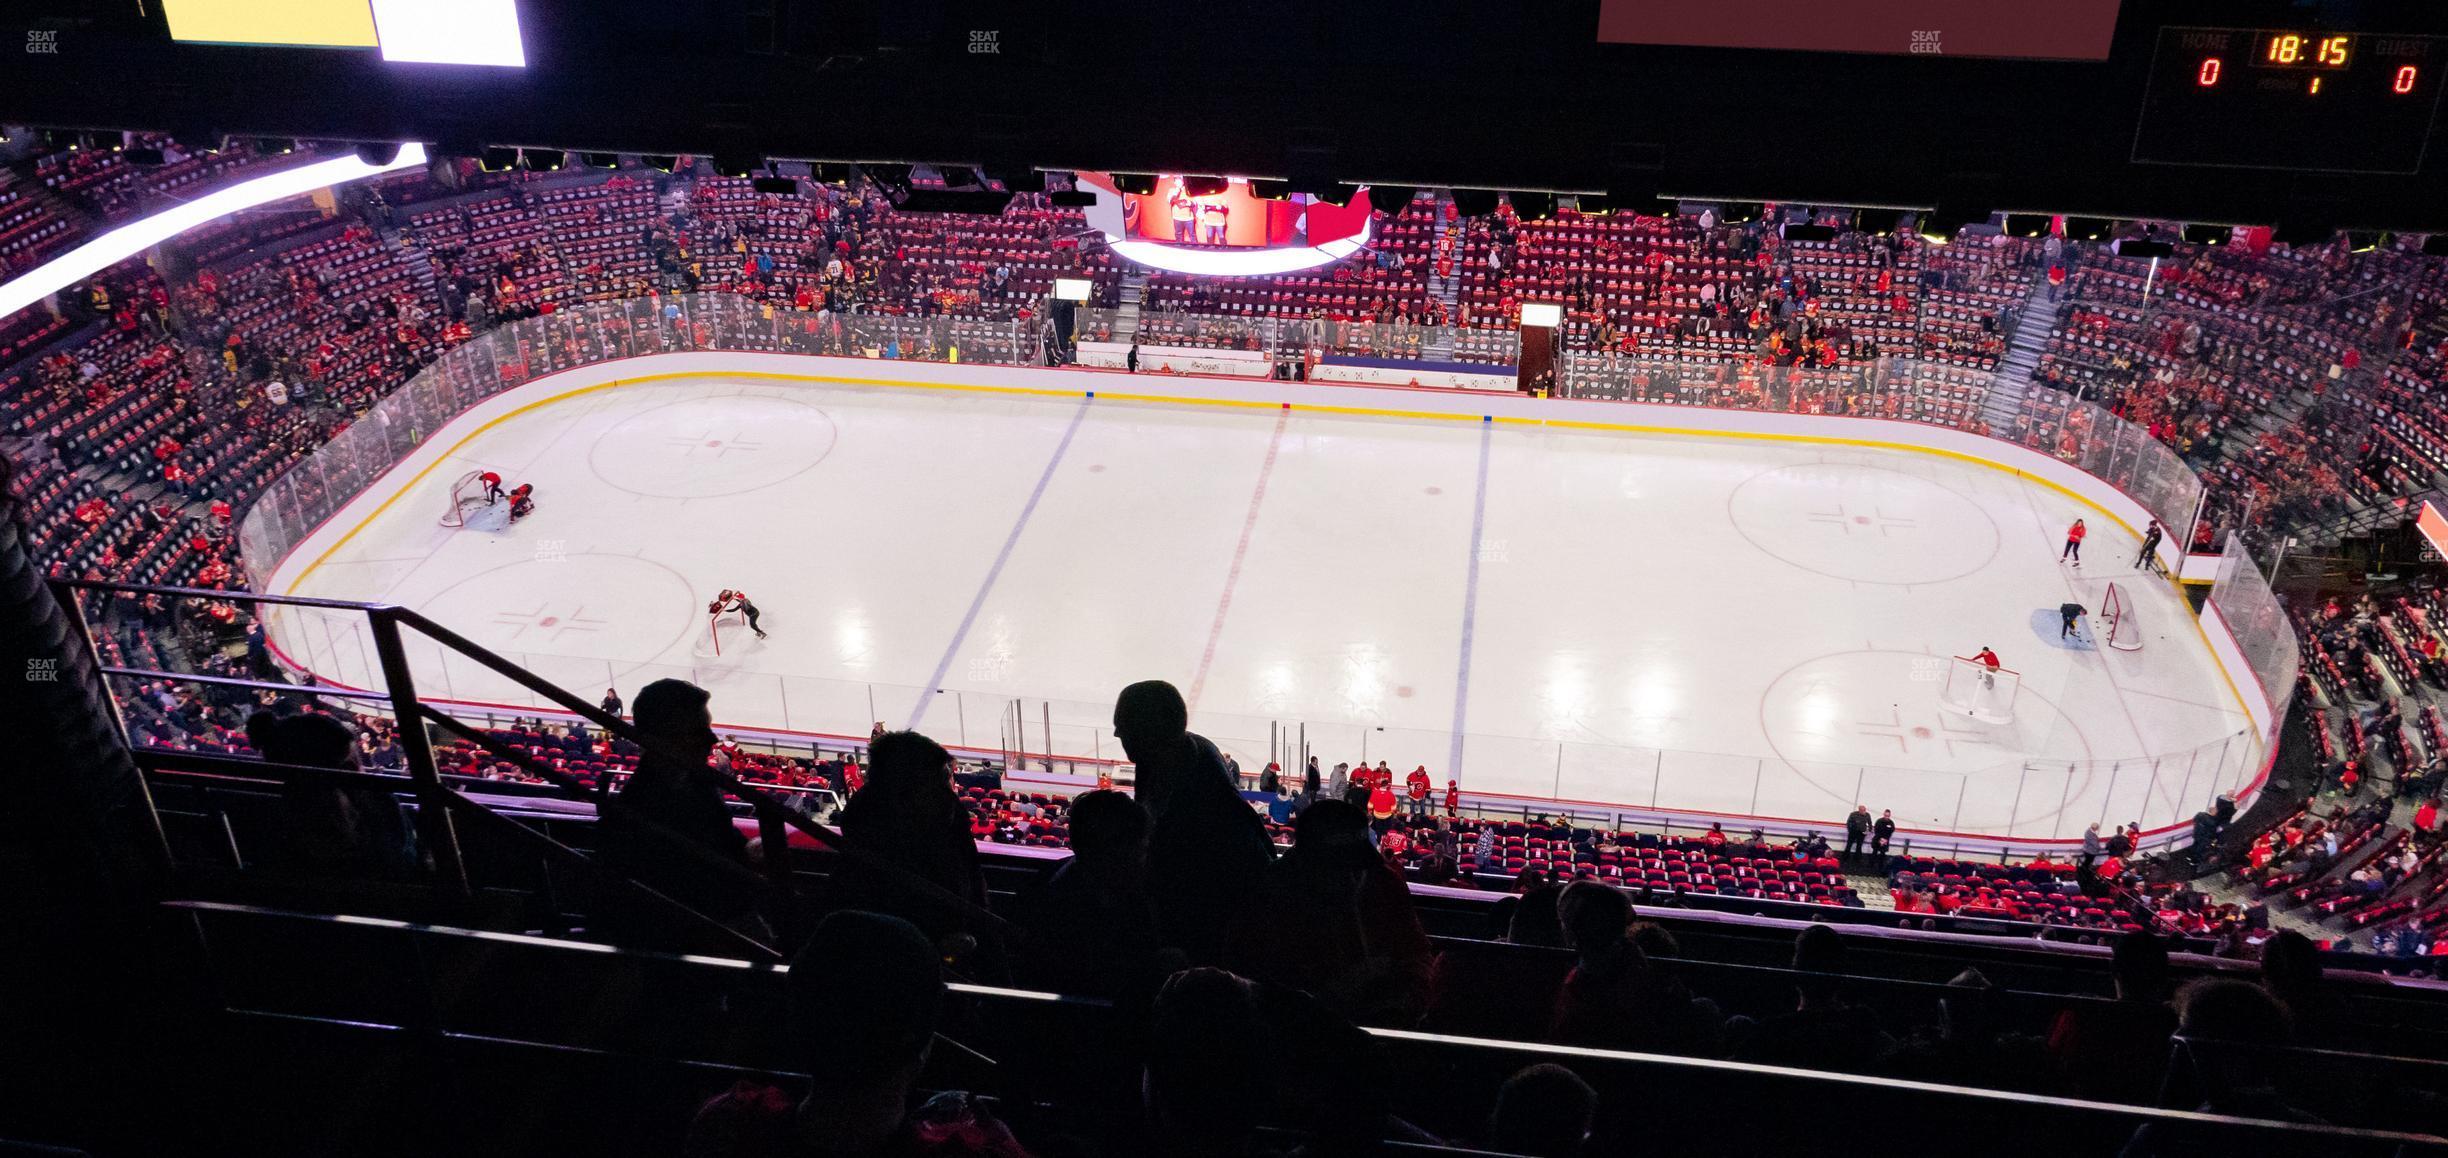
[{"x": 1232, "y": 578}]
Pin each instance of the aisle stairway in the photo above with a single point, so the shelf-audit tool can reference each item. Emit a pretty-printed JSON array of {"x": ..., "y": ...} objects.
[
  {"x": 1446, "y": 289},
  {"x": 2034, "y": 322},
  {"x": 1126, "y": 318}
]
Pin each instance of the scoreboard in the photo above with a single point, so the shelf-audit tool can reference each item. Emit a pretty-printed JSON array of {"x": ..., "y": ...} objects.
[{"x": 2291, "y": 98}]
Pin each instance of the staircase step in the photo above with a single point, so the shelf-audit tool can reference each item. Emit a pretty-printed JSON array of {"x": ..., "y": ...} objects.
[{"x": 2012, "y": 381}]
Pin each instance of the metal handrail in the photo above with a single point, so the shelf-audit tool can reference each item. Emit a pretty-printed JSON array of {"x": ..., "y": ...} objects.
[
  {"x": 774, "y": 817},
  {"x": 549, "y": 848},
  {"x": 2005, "y": 1102},
  {"x": 771, "y": 810}
]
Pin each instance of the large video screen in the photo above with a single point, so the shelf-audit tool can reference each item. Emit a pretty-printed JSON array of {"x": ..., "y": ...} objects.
[
  {"x": 2025, "y": 29},
  {"x": 1231, "y": 233},
  {"x": 1231, "y": 218},
  {"x": 476, "y": 32}
]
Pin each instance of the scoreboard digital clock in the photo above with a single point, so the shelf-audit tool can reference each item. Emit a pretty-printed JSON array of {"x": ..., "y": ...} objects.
[
  {"x": 2303, "y": 50},
  {"x": 2291, "y": 99}
]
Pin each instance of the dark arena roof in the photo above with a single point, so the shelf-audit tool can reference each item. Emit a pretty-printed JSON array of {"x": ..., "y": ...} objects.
[{"x": 1846, "y": 103}]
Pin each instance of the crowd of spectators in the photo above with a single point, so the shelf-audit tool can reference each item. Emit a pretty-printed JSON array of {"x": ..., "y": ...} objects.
[
  {"x": 2296, "y": 380},
  {"x": 183, "y": 386},
  {"x": 1237, "y": 950},
  {"x": 2363, "y": 855},
  {"x": 161, "y": 398}
]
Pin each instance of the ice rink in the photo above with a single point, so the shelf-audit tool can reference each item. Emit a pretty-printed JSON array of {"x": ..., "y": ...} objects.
[{"x": 1711, "y": 624}]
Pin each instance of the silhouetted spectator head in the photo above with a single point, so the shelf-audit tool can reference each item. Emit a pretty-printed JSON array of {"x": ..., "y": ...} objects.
[
  {"x": 908, "y": 762},
  {"x": 1499, "y": 921},
  {"x": 1970, "y": 1004},
  {"x": 2141, "y": 966},
  {"x": 674, "y": 715},
  {"x": 1208, "y": 1061},
  {"x": 1544, "y": 1111},
  {"x": 1329, "y": 823},
  {"x": 260, "y": 724},
  {"x": 1148, "y": 714},
  {"x": 1819, "y": 949},
  {"x": 864, "y": 995},
  {"x": 2230, "y": 1027},
  {"x": 1535, "y": 921},
  {"x": 1108, "y": 825},
  {"x": 2226, "y": 1010},
  {"x": 1819, "y": 958},
  {"x": 312, "y": 740},
  {"x": 1334, "y": 833},
  {"x": 2291, "y": 968},
  {"x": 1655, "y": 940},
  {"x": 1594, "y": 916}
]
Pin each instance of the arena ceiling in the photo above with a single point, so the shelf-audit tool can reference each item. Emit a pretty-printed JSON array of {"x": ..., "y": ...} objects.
[{"x": 1427, "y": 92}]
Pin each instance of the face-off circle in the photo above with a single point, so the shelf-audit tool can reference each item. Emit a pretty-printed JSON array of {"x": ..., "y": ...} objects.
[
  {"x": 565, "y": 618},
  {"x": 1866, "y": 524},
  {"x": 698, "y": 448},
  {"x": 1869, "y": 723}
]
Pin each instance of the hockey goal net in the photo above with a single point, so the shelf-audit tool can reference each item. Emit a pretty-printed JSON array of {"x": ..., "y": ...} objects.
[
  {"x": 2117, "y": 623},
  {"x": 1980, "y": 691},
  {"x": 465, "y": 495},
  {"x": 721, "y": 628}
]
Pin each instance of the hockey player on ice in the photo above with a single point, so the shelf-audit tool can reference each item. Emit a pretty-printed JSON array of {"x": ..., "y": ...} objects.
[
  {"x": 1989, "y": 666},
  {"x": 737, "y": 601}
]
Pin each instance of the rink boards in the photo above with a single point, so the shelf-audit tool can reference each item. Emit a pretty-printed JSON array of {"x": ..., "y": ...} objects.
[{"x": 1467, "y": 621}]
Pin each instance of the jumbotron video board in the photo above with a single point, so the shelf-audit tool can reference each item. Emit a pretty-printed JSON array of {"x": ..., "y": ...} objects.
[
  {"x": 2025, "y": 29},
  {"x": 1225, "y": 232}
]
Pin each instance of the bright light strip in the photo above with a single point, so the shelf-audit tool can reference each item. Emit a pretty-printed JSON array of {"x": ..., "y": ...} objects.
[
  {"x": 1072, "y": 289},
  {"x": 1542, "y": 315},
  {"x": 479, "y": 32},
  {"x": 140, "y": 235},
  {"x": 1238, "y": 262}
]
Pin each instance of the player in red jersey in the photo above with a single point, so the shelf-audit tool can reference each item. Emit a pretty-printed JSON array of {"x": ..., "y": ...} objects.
[
  {"x": 492, "y": 487},
  {"x": 1989, "y": 666}
]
